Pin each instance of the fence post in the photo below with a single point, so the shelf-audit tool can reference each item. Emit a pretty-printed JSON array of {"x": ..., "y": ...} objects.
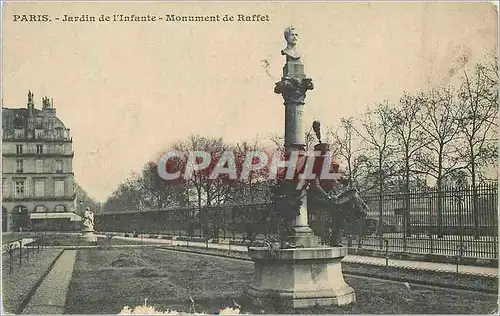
[
  {"x": 406, "y": 214},
  {"x": 11, "y": 259},
  {"x": 386, "y": 241},
  {"x": 475, "y": 209},
  {"x": 360, "y": 240},
  {"x": 429, "y": 233},
  {"x": 21, "y": 252},
  {"x": 493, "y": 189},
  {"x": 27, "y": 253},
  {"x": 458, "y": 257},
  {"x": 440, "y": 210},
  {"x": 460, "y": 223},
  {"x": 380, "y": 220}
]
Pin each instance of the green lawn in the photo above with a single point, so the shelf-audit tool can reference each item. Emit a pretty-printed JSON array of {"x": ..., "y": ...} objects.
[{"x": 106, "y": 280}]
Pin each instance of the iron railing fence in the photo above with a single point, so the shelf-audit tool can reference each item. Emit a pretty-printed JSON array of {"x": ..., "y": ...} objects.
[{"x": 453, "y": 221}]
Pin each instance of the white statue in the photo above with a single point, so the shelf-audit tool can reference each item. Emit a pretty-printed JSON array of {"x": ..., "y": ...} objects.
[
  {"x": 291, "y": 52},
  {"x": 88, "y": 219}
]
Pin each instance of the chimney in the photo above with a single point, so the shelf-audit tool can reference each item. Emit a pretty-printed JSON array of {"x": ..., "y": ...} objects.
[
  {"x": 31, "y": 103},
  {"x": 31, "y": 114}
]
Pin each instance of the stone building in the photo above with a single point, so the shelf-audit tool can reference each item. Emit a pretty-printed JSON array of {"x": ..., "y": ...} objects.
[{"x": 38, "y": 190}]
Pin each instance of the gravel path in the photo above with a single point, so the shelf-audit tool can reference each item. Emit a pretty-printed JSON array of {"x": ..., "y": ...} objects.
[{"x": 50, "y": 297}]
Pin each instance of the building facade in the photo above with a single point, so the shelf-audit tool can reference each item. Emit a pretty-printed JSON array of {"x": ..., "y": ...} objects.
[{"x": 38, "y": 190}]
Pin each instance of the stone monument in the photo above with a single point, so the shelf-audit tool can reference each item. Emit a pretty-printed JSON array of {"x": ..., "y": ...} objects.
[
  {"x": 304, "y": 274},
  {"x": 88, "y": 226}
]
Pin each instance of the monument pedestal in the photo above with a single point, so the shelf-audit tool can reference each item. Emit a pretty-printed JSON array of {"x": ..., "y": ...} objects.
[
  {"x": 299, "y": 277},
  {"x": 88, "y": 235}
]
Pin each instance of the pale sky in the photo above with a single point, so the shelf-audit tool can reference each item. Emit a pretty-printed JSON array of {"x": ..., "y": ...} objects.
[{"x": 128, "y": 90}]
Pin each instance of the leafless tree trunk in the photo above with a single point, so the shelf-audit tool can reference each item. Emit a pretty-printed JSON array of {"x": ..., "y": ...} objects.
[
  {"x": 478, "y": 99},
  {"x": 376, "y": 130},
  {"x": 439, "y": 157},
  {"x": 347, "y": 146},
  {"x": 410, "y": 140}
]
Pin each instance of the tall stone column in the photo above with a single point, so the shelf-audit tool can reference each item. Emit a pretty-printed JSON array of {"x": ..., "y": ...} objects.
[{"x": 293, "y": 87}]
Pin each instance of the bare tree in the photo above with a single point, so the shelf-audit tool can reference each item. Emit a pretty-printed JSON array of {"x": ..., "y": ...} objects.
[
  {"x": 127, "y": 197},
  {"x": 157, "y": 192},
  {"x": 410, "y": 138},
  {"x": 375, "y": 131},
  {"x": 82, "y": 195},
  {"x": 279, "y": 140},
  {"x": 478, "y": 99},
  {"x": 439, "y": 157},
  {"x": 255, "y": 188},
  {"x": 208, "y": 191},
  {"x": 347, "y": 146}
]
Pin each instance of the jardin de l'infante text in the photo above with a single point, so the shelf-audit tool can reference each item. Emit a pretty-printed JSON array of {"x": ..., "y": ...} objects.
[{"x": 142, "y": 18}]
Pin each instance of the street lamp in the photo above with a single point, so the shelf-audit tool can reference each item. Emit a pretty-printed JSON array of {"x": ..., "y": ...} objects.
[{"x": 81, "y": 206}]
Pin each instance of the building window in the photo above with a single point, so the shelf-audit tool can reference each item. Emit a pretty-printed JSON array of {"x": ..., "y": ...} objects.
[
  {"x": 19, "y": 133},
  {"x": 59, "y": 132},
  {"x": 60, "y": 209},
  {"x": 39, "y": 166},
  {"x": 19, "y": 189},
  {"x": 39, "y": 149},
  {"x": 59, "y": 166},
  {"x": 19, "y": 149},
  {"x": 40, "y": 209},
  {"x": 59, "y": 187},
  {"x": 50, "y": 123},
  {"x": 39, "y": 133},
  {"x": 19, "y": 166},
  {"x": 39, "y": 187}
]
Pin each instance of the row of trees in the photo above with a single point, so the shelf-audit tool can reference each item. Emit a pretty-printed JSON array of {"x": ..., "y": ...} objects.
[
  {"x": 85, "y": 200},
  {"x": 434, "y": 134},
  {"x": 447, "y": 134},
  {"x": 147, "y": 190}
]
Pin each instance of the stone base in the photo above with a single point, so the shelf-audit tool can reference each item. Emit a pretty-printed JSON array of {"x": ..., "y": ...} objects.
[
  {"x": 297, "y": 278},
  {"x": 303, "y": 237},
  {"x": 89, "y": 236}
]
